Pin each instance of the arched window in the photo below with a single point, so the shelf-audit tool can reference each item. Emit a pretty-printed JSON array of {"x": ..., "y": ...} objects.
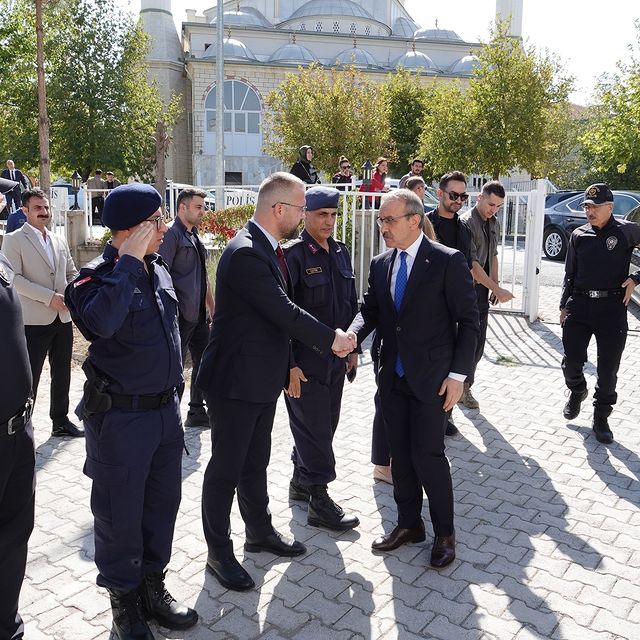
[{"x": 241, "y": 108}]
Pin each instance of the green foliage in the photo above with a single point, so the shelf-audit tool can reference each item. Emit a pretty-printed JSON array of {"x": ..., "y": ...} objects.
[
  {"x": 102, "y": 111},
  {"x": 612, "y": 139},
  {"x": 406, "y": 101},
  {"x": 337, "y": 112}
]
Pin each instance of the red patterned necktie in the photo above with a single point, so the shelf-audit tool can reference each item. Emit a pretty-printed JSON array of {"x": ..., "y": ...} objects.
[{"x": 283, "y": 264}]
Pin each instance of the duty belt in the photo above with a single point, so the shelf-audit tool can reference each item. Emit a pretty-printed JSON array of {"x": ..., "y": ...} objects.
[
  {"x": 19, "y": 421},
  {"x": 121, "y": 401},
  {"x": 598, "y": 293}
]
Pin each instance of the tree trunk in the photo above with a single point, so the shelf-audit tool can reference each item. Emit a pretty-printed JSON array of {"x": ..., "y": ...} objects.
[{"x": 43, "y": 118}]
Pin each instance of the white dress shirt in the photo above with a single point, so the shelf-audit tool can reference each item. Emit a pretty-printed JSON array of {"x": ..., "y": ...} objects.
[{"x": 45, "y": 241}]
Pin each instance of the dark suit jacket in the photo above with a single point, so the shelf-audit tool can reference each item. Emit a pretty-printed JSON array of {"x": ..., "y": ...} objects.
[
  {"x": 437, "y": 327},
  {"x": 19, "y": 178},
  {"x": 247, "y": 357}
]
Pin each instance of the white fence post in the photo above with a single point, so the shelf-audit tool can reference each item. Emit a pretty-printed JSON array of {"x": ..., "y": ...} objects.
[{"x": 533, "y": 249}]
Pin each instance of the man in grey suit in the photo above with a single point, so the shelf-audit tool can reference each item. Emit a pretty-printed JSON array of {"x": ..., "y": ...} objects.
[{"x": 43, "y": 267}]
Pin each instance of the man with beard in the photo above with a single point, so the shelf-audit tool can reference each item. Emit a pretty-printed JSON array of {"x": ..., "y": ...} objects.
[{"x": 243, "y": 370}]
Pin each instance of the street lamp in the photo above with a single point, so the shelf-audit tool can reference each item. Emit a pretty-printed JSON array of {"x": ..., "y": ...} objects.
[
  {"x": 367, "y": 172},
  {"x": 76, "y": 182}
]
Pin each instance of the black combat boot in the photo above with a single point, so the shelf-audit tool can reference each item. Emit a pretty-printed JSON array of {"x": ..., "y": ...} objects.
[
  {"x": 324, "y": 512},
  {"x": 298, "y": 491},
  {"x": 160, "y": 605},
  {"x": 572, "y": 408},
  {"x": 601, "y": 429},
  {"x": 128, "y": 617}
]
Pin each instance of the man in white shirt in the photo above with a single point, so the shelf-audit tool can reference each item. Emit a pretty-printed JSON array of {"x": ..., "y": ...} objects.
[{"x": 43, "y": 267}]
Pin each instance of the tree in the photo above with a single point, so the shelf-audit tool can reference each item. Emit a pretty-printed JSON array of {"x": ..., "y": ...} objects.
[
  {"x": 337, "y": 112},
  {"x": 406, "y": 100},
  {"x": 612, "y": 139},
  {"x": 43, "y": 118}
]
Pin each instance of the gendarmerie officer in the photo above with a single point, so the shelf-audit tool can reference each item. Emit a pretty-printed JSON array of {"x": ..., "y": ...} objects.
[
  {"x": 124, "y": 303},
  {"x": 595, "y": 293},
  {"x": 324, "y": 285},
  {"x": 17, "y": 457}
]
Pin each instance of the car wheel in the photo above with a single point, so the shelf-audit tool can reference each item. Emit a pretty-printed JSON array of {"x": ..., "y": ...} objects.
[{"x": 554, "y": 244}]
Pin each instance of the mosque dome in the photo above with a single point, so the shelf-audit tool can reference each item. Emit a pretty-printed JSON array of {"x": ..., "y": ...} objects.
[
  {"x": 330, "y": 8},
  {"x": 233, "y": 49},
  {"x": 465, "y": 66},
  {"x": 244, "y": 17},
  {"x": 292, "y": 53},
  {"x": 437, "y": 34},
  {"x": 358, "y": 58},
  {"x": 416, "y": 60},
  {"x": 404, "y": 27}
]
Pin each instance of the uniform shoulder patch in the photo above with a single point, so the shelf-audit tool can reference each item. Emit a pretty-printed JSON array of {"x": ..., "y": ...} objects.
[
  {"x": 611, "y": 242},
  {"x": 81, "y": 281}
]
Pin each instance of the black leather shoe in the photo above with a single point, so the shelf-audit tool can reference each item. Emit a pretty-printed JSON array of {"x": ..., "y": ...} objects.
[
  {"x": 160, "y": 605},
  {"x": 128, "y": 616},
  {"x": 601, "y": 430},
  {"x": 276, "y": 543},
  {"x": 67, "y": 428},
  {"x": 197, "y": 418},
  {"x": 324, "y": 512},
  {"x": 450, "y": 429},
  {"x": 398, "y": 537},
  {"x": 298, "y": 491},
  {"x": 443, "y": 551},
  {"x": 572, "y": 408},
  {"x": 230, "y": 573}
]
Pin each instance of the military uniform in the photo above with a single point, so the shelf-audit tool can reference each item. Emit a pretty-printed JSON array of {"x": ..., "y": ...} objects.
[
  {"x": 17, "y": 457},
  {"x": 597, "y": 264},
  {"x": 131, "y": 413}
]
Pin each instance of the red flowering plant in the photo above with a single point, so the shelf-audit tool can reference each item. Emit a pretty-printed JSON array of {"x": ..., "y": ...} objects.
[{"x": 224, "y": 224}]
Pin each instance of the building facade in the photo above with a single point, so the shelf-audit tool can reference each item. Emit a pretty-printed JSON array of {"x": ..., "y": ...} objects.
[{"x": 263, "y": 41}]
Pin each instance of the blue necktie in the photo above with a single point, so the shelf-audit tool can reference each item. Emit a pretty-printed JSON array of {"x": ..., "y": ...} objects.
[{"x": 401, "y": 286}]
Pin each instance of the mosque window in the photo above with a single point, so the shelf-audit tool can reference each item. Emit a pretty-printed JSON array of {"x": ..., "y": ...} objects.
[
  {"x": 353, "y": 27},
  {"x": 303, "y": 27},
  {"x": 367, "y": 30},
  {"x": 336, "y": 27},
  {"x": 318, "y": 26},
  {"x": 242, "y": 108}
]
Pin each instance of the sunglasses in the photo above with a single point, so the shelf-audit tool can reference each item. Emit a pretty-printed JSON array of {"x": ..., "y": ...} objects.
[
  {"x": 346, "y": 166},
  {"x": 463, "y": 197}
]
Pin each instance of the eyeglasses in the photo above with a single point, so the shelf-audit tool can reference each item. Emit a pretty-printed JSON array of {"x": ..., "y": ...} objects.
[
  {"x": 302, "y": 207},
  {"x": 159, "y": 221},
  {"x": 389, "y": 220},
  {"x": 588, "y": 205},
  {"x": 346, "y": 166},
  {"x": 453, "y": 195}
]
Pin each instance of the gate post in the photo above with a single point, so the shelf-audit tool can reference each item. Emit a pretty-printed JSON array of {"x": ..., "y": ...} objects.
[{"x": 533, "y": 249}]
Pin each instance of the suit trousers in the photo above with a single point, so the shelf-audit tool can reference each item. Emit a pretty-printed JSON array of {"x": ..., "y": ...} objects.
[
  {"x": 56, "y": 341},
  {"x": 416, "y": 433},
  {"x": 193, "y": 338},
  {"x": 482, "y": 295},
  {"x": 380, "y": 447},
  {"x": 313, "y": 418},
  {"x": 241, "y": 447},
  {"x": 17, "y": 498},
  {"x": 14, "y": 199},
  {"x": 606, "y": 319},
  {"x": 135, "y": 461}
]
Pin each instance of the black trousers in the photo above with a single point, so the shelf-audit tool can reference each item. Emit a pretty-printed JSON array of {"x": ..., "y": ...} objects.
[
  {"x": 313, "y": 419},
  {"x": 380, "y": 447},
  {"x": 56, "y": 341},
  {"x": 194, "y": 337},
  {"x": 416, "y": 433},
  {"x": 606, "y": 319},
  {"x": 17, "y": 498},
  {"x": 241, "y": 447},
  {"x": 13, "y": 197},
  {"x": 482, "y": 295},
  {"x": 97, "y": 205}
]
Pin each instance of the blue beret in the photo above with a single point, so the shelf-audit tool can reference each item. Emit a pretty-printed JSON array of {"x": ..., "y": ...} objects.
[
  {"x": 321, "y": 198},
  {"x": 129, "y": 204}
]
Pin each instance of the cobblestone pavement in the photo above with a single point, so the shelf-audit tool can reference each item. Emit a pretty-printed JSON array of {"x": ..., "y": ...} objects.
[{"x": 548, "y": 523}]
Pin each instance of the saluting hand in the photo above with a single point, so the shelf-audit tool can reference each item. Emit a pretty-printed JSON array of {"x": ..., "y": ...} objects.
[{"x": 137, "y": 242}]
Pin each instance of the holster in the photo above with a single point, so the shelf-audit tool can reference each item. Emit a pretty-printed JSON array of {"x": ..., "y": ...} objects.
[{"x": 95, "y": 399}]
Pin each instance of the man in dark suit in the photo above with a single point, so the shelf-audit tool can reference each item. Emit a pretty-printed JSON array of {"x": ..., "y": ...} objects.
[
  {"x": 14, "y": 200},
  {"x": 243, "y": 370},
  {"x": 421, "y": 303}
]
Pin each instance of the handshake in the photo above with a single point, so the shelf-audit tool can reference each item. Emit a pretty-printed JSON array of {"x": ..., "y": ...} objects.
[{"x": 344, "y": 343}]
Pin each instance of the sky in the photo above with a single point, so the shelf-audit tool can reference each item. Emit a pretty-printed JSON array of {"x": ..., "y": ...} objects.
[{"x": 588, "y": 36}]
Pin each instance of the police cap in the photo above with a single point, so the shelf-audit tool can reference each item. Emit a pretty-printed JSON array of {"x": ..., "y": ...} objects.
[
  {"x": 598, "y": 193},
  {"x": 321, "y": 198},
  {"x": 129, "y": 204}
]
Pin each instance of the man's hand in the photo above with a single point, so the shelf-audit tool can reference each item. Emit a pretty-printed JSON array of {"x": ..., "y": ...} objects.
[
  {"x": 295, "y": 377},
  {"x": 136, "y": 244},
  {"x": 57, "y": 302},
  {"x": 503, "y": 295},
  {"x": 352, "y": 361},
  {"x": 629, "y": 284},
  {"x": 344, "y": 343},
  {"x": 563, "y": 316},
  {"x": 452, "y": 391}
]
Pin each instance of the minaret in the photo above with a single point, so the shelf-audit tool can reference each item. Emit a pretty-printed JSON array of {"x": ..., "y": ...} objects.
[
  {"x": 166, "y": 68},
  {"x": 511, "y": 10}
]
